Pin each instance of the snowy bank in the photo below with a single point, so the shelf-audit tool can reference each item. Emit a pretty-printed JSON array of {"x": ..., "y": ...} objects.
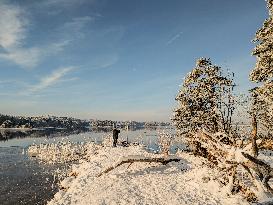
[
  {"x": 62, "y": 152},
  {"x": 186, "y": 182}
]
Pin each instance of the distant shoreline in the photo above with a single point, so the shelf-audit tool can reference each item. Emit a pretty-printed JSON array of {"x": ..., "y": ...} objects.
[
  {"x": 30, "y": 129},
  {"x": 15, "y": 128}
]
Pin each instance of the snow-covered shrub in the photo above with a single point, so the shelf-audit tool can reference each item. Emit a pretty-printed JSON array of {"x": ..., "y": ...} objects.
[
  {"x": 62, "y": 152},
  {"x": 107, "y": 140},
  {"x": 165, "y": 141}
]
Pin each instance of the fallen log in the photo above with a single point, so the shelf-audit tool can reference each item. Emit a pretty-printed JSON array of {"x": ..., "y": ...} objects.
[
  {"x": 269, "y": 202},
  {"x": 263, "y": 170},
  {"x": 132, "y": 159},
  {"x": 230, "y": 158}
]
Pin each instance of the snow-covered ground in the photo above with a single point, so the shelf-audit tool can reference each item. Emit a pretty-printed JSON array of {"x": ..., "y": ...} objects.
[{"x": 189, "y": 181}]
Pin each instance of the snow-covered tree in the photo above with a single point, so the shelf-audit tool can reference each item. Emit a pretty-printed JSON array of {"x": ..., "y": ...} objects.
[
  {"x": 204, "y": 100},
  {"x": 262, "y": 95}
]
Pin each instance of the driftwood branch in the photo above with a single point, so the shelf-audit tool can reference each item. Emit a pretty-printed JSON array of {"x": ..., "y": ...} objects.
[{"x": 132, "y": 159}]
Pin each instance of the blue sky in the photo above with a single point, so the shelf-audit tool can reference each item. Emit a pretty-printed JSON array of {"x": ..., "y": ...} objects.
[{"x": 117, "y": 59}]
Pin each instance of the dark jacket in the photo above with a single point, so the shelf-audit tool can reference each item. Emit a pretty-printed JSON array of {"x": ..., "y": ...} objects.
[{"x": 115, "y": 133}]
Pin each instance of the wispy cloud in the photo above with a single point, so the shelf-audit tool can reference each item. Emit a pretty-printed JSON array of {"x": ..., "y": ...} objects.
[
  {"x": 31, "y": 57},
  {"x": 174, "y": 38},
  {"x": 64, "y": 2},
  {"x": 7, "y": 81},
  {"x": 55, "y": 77},
  {"x": 12, "y": 24},
  {"x": 108, "y": 61},
  {"x": 27, "y": 58},
  {"x": 13, "y": 32},
  {"x": 76, "y": 26},
  {"x": 56, "y": 7}
]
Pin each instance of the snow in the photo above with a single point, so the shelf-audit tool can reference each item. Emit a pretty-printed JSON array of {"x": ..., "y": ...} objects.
[
  {"x": 267, "y": 156},
  {"x": 189, "y": 181},
  {"x": 62, "y": 152},
  {"x": 235, "y": 155}
]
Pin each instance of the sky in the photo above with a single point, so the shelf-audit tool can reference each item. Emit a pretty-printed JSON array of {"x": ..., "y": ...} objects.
[{"x": 117, "y": 59}]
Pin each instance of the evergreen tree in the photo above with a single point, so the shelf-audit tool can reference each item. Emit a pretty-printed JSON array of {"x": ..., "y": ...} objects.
[
  {"x": 262, "y": 95},
  {"x": 204, "y": 100}
]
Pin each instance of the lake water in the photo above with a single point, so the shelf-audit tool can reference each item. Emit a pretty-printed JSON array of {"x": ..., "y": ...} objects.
[{"x": 25, "y": 181}]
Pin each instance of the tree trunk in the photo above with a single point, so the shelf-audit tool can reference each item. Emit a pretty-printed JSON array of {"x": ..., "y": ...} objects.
[{"x": 254, "y": 136}]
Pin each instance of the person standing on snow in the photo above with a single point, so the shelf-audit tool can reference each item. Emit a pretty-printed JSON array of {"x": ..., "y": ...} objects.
[{"x": 115, "y": 136}]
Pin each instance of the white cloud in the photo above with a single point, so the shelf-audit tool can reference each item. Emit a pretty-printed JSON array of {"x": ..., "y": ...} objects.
[
  {"x": 31, "y": 57},
  {"x": 55, "y": 77},
  {"x": 13, "y": 32},
  {"x": 12, "y": 24},
  {"x": 24, "y": 57},
  {"x": 174, "y": 38}
]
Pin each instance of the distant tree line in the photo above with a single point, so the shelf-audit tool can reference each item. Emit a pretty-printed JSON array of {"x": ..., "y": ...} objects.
[
  {"x": 126, "y": 124},
  {"x": 7, "y": 121}
]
